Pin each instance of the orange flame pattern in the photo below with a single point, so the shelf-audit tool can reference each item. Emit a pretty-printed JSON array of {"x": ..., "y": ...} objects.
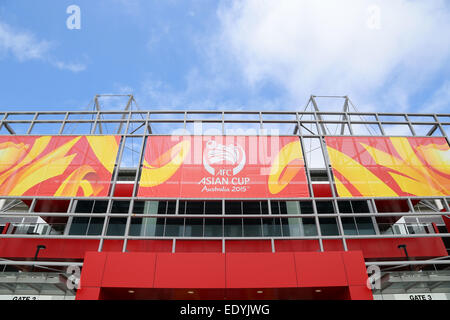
[
  {"x": 56, "y": 165},
  {"x": 390, "y": 167}
]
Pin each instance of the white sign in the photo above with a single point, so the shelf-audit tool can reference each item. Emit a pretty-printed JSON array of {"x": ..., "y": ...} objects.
[
  {"x": 35, "y": 297},
  {"x": 413, "y": 296}
]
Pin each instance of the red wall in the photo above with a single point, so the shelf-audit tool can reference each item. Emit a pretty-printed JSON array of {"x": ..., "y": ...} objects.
[
  {"x": 232, "y": 271},
  {"x": 76, "y": 248}
]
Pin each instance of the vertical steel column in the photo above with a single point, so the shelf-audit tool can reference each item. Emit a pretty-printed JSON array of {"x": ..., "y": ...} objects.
[
  {"x": 410, "y": 125},
  {"x": 30, "y": 128},
  {"x": 136, "y": 181},
  {"x": 61, "y": 130},
  {"x": 95, "y": 123},
  {"x": 310, "y": 187},
  {"x": 332, "y": 186},
  {"x": 105, "y": 224},
  {"x": 374, "y": 209},
  {"x": 380, "y": 125}
]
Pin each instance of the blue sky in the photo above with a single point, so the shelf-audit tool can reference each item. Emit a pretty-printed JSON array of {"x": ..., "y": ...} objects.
[{"x": 387, "y": 55}]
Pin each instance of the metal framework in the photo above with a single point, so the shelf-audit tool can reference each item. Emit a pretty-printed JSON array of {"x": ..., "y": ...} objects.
[{"x": 310, "y": 125}]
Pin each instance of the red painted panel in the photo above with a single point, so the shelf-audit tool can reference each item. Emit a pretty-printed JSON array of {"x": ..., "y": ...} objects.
[
  {"x": 123, "y": 190},
  {"x": 190, "y": 270},
  {"x": 392, "y": 205},
  {"x": 51, "y": 205},
  {"x": 360, "y": 293},
  {"x": 198, "y": 246},
  {"x": 149, "y": 246},
  {"x": 129, "y": 270},
  {"x": 260, "y": 270},
  {"x": 333, "y": 245},
  {"x": 447, "y": 222},
  {"x": 248, "y": 246},
  {"x": 5, "y": 228},
  {"x": 355, "y": 268},
  {"x": 387, "y": 248},
  {"x": 297, "y": 245},
  {"x": 89, "y": 293},
  {"x": 322, "y": 190},
  {"x": 320, "y": 269},
  {"x": 55, "y": 248},
  {"x": 93, "y": 267},
  {"x": 112, "y": 246}
]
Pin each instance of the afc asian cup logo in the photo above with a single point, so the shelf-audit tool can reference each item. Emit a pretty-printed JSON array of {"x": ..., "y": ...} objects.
[{"x": 218, "y": 154}]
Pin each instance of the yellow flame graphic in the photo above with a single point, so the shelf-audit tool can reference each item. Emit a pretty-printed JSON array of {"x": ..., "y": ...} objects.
[
  {"x": 410, "y": 173},
  {"x": 165, "y": 166},
  {"x": 20, "y": 171},
  {"x": 285, "y": 167}
]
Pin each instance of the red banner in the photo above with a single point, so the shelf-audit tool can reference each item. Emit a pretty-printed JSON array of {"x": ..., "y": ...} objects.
[
  {"x": 223, "y": 167},
  {"x": 64, "y": 166},
  {"x": 390, "y": 167}
]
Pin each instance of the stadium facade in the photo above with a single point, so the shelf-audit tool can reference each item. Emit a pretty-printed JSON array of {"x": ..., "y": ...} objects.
[{"x": 224, "y": 204}]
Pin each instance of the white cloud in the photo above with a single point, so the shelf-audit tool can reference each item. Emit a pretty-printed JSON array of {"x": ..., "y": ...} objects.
[
  {"x": 329, "y": 47},
  {"x": 25, "y": 46},
  {"x": 74, "y": 67}
]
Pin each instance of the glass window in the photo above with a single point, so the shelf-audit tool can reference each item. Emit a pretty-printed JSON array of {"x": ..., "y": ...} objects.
[
  {"x": 139, "y": 206},
  {"x": 86, "y": 226},
  {"x": 233, "y": 227},
  {"x": 252, "y": 228},
  {"x": 271, "y": 227},
  {"x": 251, "y": 207},
  {"x": 233, "y": 207},
  {"x": 325, "y": 207},
  {"x": 365, "y": 225},
  {"x": 162, "y": 207},
  {"x": 213, "y": 207},
  {"x": 100, "y": 206},
  {"x": 195, "y": 207},
  {"x": 116, "y": 226},
  {"x": 291, "y": 227},
  {"x": 309, "y": 227},
  {"x": 328, "y": 226},
  {"x": 95, "y": 226},
  {"x": 213, "y": 228},
  {"x": 345, "y": 207},
  {"x": 120, "y": 206},
  {"x": 349, "y": 226},
  {"x": 193, "y": 228},
  {"x": 79, "y": 226},
  {"x": 174, "y": 227},
  {"x": 84, "y": 206},
  {"x": 306, "y": 207},
  {"x": 171, "y": 207},
  {"x": 283, "y": 208},
  {"x": 358, "y": 206},
  {"x": 146, "y": 227},
  {"x": 275, "y": 207}
]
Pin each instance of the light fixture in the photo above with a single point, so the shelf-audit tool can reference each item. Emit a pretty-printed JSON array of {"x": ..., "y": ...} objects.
[
  {"x": 259, "y": 291},
  {"x": 318, "y": 290},
  {"x": 190, "y": 292},
  {"x": 130, "y": 291}
]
